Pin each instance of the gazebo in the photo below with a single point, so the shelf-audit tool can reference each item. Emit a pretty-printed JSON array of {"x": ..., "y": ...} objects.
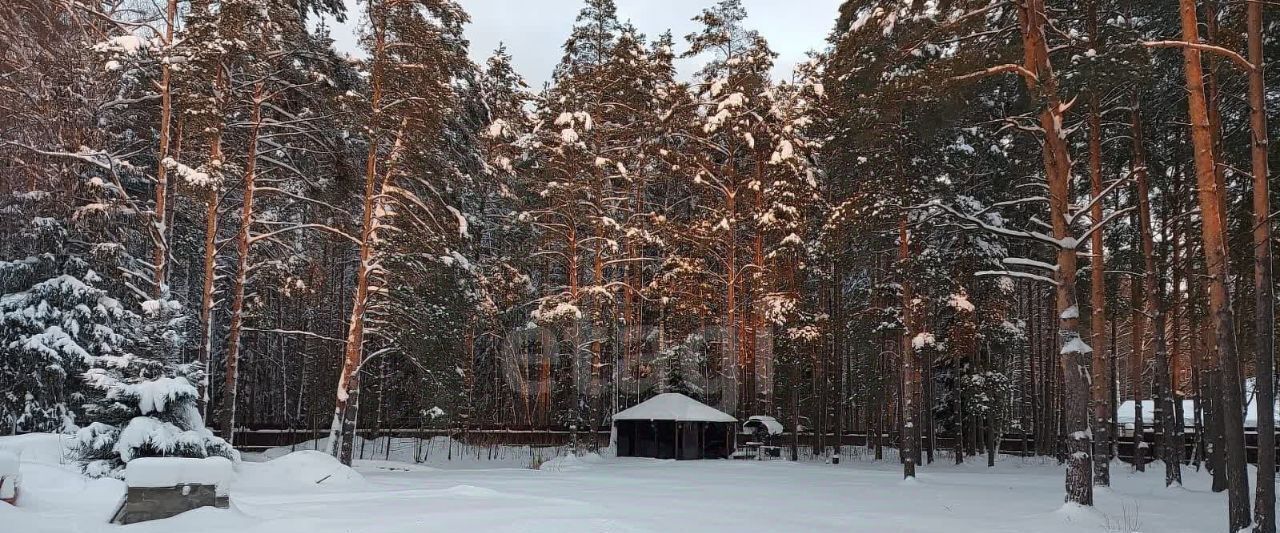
[{"x": 674, "y": 426}]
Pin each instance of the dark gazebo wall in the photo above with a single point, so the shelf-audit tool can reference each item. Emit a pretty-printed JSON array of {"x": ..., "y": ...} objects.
[
  {"x": 691, "y": 440},
  {"x": 667, "y": 439},
  {"x": 626, "y": 438},
  {"x": 719, "y": 439}
]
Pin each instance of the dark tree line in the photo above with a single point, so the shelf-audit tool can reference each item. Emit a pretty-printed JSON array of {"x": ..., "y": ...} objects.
[{"x": 964, "y": 219}]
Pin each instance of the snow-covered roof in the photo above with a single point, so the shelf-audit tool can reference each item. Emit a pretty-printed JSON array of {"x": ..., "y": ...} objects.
[
  {"x": 770, "y": 424},
  {"x": 674, "y": 406},
  {"x": 1125, "y": 413},
  {"x": 1188, "y": 409}
]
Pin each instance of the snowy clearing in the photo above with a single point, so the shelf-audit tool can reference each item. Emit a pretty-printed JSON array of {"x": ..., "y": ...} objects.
[{"x": 308, "y": 492}]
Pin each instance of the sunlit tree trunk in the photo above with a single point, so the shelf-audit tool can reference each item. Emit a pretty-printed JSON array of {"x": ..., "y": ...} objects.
[
  {"x": 160, "y": 254},
  {"x": 1097, "y": 286},
  {"x": 243, "y": 240},
  {"x": 1215, "y": 253},
  {"x": 1073, "y": 353}
]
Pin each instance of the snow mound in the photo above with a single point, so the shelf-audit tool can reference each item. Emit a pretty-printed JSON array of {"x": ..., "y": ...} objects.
[
  {"x": 171, "y": 471},
  {"x": 8, "y": 474},
  {"x": 8, "y": 463},
  {"x": 1081, "y": 516},
  {"x": 307, "y": 468},
  {"x": 43, "y": 448},
  {"x": 570, "y": 463}
]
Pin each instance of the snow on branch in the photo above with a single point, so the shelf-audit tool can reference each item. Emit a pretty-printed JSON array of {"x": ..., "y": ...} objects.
[
  {"x": 999, "y": 69},
  {"x": 322, "y": 227},
  {"x": 296, "y": 332},
  {"x": 1102, "y": 194},
  {"x": 1022, "y": 261},
  {"x": 1104, "y": 222},
  {"x": 1016, "y": 274},
  {"x": 975, "y": 221},
  {"x": 1229, "y": 54}
]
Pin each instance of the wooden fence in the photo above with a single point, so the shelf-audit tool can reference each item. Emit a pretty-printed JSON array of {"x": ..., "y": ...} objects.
[{"x": 1018, "y": 444}]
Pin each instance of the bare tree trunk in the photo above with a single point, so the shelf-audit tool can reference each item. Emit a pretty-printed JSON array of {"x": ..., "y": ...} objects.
[
  {"x": 908, "y": 373},
  {"x": 1114, "y": 394},
  {"x": 345, "y": 408},
  {"x": 1215, "y": 253},
  {"x": 1074, "y": 352},
  {"x": 207, "y": 292},
  {"x": 929, "y": 431},
  {"x": 243, "y": 240},
  {"x": 1033, "y": 356},
  {"x": 1097, "y": 290},
  {"x": 342, "y": 429},
  {"x": 160, "y": 256},
  {"x": 837, "y": 353},
  {"x": 1137, "y": 331},
  {"x": 212, "y": 205},
  {"x": 1153, "y": 286},
  {"x": 597, "y": 329},
  {"x": 1264, "y": 312},
  {"x": 346, "y": 405},
  {"x": 1177, "y": 344},
  {"x": 731, "y": 370}
]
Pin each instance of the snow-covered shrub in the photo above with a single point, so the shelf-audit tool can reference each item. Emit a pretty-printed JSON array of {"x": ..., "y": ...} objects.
[
  {"x": 143, "y": 412},
  {"x": 985, "y": 391}
]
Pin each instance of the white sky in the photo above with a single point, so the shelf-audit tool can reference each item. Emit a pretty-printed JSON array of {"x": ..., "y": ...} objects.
[{"x": 534, "y": 30}]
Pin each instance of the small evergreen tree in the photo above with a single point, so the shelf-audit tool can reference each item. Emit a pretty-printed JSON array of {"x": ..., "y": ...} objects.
[
  {"x": 144, "y": 404},
  {"x": 146, "y": 408}
]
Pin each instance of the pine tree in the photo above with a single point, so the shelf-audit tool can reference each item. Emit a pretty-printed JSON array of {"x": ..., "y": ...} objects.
[
  {"x": 53, "y": 323},
  {"x": 145, "y": 407},
  {"x": 412, "y": 58},
  {"x": 733, "y": 112}
]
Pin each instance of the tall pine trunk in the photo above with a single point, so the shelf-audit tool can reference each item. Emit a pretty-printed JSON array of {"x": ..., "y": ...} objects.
[
  {"x": 243, "y": 240},
  {"x": 1137, "y": 332},
  {"x": 160, "y": 254},
  {"x": 1264, "y": 312},
  {"x": 731, "y": 370},
  {"x": 1097, "y": 289},
  {"x": 342, "y": 428},
  {"x": 207, "y": 292},
  {"x": 1073, "y": 353},
  {"x": 1215, "y": 253},
  {"x": 209, "y": 288},
  {"x": 908, "y": 373},
  {"x": 344, "y": 411}
]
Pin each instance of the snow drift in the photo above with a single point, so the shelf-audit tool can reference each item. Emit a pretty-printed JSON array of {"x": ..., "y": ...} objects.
[{"x": 307, "y": 468}]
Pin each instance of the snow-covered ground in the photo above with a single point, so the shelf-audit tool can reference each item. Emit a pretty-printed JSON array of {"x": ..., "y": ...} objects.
[{"x": 308, "y": 492}]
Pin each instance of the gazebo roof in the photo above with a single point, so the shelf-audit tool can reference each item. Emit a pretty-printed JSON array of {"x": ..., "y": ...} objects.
[{"x": 674, "y": 406}]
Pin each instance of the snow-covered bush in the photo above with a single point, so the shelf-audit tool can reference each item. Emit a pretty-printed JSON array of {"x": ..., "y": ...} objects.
[{"x": 143, "y": 412}]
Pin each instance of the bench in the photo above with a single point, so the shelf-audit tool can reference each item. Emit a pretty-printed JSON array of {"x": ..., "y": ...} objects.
[{"x": 161, "y": 487}]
